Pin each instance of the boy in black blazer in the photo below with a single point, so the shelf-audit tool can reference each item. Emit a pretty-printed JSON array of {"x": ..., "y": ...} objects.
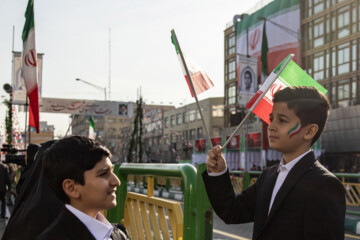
[
  {"x": 79, "y": 171},
  {"x": 297, "y": 199}
]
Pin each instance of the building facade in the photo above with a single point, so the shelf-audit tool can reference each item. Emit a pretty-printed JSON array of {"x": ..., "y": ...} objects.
[
  {"x": 180, "y": 128},
  {"x": 330, "y": 52}
]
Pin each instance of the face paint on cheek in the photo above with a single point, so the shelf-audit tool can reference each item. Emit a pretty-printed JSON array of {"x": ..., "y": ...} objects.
[{"x": 294, "y": 130}]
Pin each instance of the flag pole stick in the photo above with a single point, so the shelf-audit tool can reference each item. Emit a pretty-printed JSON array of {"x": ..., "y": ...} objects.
[
  {"x": 67, "y": 131},
  {"x": 258, "y": 100},
  {"x": 192, "y": 87}
]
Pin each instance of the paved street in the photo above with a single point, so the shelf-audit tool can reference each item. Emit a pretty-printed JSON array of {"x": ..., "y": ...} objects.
[{"x": 222, "y": 231}]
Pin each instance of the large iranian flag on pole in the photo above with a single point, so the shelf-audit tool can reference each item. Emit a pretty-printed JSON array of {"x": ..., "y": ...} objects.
[
  {"x": 282, "y": 25},
  {"x": 29, "y": 66},
  {"x": 292, "y": 75},
  {"x": 199, "y": 78}
]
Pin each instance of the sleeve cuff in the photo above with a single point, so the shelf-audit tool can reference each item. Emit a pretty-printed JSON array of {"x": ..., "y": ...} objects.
[{"x": 216, "y": 174}]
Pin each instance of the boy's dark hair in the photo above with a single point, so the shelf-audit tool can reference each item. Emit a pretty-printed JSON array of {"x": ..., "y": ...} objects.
[
  {"x": 69, "y": 158},
  {"x": 310, "y": 105}
]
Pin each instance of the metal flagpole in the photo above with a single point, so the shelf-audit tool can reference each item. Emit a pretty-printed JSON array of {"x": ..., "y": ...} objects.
[
  {"x": 192, "y": 87},
  {"x": 257, "y": 101}
]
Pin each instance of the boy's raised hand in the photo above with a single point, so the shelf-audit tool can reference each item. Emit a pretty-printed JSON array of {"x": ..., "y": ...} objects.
[{"x": 216, "y": 161}]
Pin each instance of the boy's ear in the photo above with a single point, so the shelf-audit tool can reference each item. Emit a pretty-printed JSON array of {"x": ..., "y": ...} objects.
[
  {"x": 310, "y": 131},
  {"x": 70, "y": 189}
]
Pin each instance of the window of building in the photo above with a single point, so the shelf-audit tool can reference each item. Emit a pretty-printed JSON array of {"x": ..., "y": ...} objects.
[
  {"x": 185, "y": 117},
  {"x": 230, "y": 44},
  {"x": 218, "y": 110},
  {"x": 198, "y": 115},
  {"x": 343, "y": 17},
  {"x": 353, "y": 16},
  {"x": 192, "y": 134},
  {"x": 333, "y": 95},
  {"x": 230, "y": 70},
  {"x": 318, "y": 32},
  {"x": 353, "y": 56},
  {"x": 353, "y": 92},
  {"x": 111, "y": 120},
  {"x": 178, "y": 119},
  {"x": 173, "y": 120},
  {"x": 231, "y": 94},
  {"x": 309, "y": 5},
  {"x": 343, "y": 58},
  {"x": 343, "y": 93},
  {"x": 327, "y": 64},
  {"x": 318, "y": 64},
  {"x": 199, "y": 132},
  {"x": 166, "y": 120},
  {"x": 192, "y": 115},
  {"x": 318, "y": 6}
]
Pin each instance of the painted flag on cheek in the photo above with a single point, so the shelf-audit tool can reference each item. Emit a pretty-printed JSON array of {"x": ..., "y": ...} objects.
[{"x": 292, "y": 75}]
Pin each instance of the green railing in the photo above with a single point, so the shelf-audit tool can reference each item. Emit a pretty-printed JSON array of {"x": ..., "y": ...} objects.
[{"x": 198, "y": 213}]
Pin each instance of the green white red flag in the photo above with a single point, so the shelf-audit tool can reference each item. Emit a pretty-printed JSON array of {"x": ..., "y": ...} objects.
[
  {"x": 29, "y": 66},
  {"x": 91, "y": 128},
  {"x": 292, "y": 75},
  {"x": 199, "y": 78}
]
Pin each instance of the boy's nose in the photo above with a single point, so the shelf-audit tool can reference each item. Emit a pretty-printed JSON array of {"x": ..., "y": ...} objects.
[{"x": 115, "y": 180}]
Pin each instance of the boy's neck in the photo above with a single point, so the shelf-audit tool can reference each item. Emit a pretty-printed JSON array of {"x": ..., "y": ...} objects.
[
  {"x": 91, "y": 213},
  {"x": 288, "y": 157}
]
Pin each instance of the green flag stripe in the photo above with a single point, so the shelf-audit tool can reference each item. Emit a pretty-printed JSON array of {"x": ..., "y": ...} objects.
[
  {"x": 295, "y": 76},
  {"x": 29, "y": 20},
  {"x": 91, "y": 122},
  {"x": 173, "y": 41},
  {"x": 273, "y": 9}
]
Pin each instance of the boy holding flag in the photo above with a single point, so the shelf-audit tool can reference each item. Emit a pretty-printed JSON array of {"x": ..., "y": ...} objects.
[{"x": 297, "y": 199}]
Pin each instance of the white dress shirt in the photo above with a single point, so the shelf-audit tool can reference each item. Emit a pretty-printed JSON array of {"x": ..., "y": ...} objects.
[
  {"x": 100, "y": 227},
  {"x": 283, "y": 170}
]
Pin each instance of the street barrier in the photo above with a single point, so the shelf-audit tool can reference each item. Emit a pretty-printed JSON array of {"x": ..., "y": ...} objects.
[{"x": 197, "y": 213}]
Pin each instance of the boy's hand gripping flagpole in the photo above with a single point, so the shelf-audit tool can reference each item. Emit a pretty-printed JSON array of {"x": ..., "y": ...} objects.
[
  {"x": 192, "y": 87},
  {"x": 258, "y": 100}
]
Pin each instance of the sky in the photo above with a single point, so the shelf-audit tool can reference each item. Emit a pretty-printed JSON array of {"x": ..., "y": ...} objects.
[{"x": 126, "y": 41}]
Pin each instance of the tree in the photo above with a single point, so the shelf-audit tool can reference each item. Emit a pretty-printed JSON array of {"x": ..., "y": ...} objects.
[{"x": 136, "y": 142}]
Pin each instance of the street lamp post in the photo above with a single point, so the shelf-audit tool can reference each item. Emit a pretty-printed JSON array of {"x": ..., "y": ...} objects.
[{"x": 101, "y": 89}]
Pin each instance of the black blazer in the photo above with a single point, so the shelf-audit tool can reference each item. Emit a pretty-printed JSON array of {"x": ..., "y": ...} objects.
[
  {"x": 309, "y": 205},
  {"x": 68, "y": 227}
]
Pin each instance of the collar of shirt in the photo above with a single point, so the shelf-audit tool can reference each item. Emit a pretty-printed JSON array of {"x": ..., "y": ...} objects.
[
  {"x": 100, "y": 227},
  {"x": 288, "y": 166}
]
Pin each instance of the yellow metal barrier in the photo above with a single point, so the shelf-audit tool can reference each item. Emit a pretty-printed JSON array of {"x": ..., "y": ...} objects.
[
  {"x": 352, "y": 189},
  {"x": 137, "y": 209}
]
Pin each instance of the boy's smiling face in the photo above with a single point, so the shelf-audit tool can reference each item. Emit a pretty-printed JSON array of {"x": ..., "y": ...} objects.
[
  {"x": 285, "y": 132},
  {"x": 98, "y": 192}
]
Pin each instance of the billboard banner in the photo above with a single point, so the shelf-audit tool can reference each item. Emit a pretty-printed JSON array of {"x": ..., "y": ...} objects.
[
  {"x": 234, "y": 142},
  {"x": 18, "y": 84},
  {"x": 253, "y": 140},
  {"x": 282, "y": 32},
  {"x": 87, "y": 107},
  {"x": 200, "y": 145},
  {"x": 216, "y": 141},
  {"x": 247, "y": 80}
]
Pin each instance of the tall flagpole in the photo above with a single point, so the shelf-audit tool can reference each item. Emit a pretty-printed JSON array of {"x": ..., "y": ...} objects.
[
  {"x": 192, "y": 87},
  {"x": 257, "y": 101}
]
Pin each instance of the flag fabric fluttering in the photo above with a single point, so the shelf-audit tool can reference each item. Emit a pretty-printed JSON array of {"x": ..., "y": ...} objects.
[
  {"x": 91, "y": 128},
  {"x": 264, "y": 52},
  {"x": 29, "y": 66},
  {"x": 292, "y": 75},
  {"x": 199, "y": 78}
]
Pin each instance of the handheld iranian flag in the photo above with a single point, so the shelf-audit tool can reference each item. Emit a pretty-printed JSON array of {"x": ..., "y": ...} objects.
[
  {"x": 91, "y": 128},
  {"x": 291, "y": 75},
  {"x": 29, "y": 66},
  {"x": 199, "y": 78}
]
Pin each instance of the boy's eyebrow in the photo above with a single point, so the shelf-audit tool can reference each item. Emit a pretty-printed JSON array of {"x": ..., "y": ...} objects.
[
  {"x": 282, "y": 115},
  {"x": 104, "y": 169}
]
